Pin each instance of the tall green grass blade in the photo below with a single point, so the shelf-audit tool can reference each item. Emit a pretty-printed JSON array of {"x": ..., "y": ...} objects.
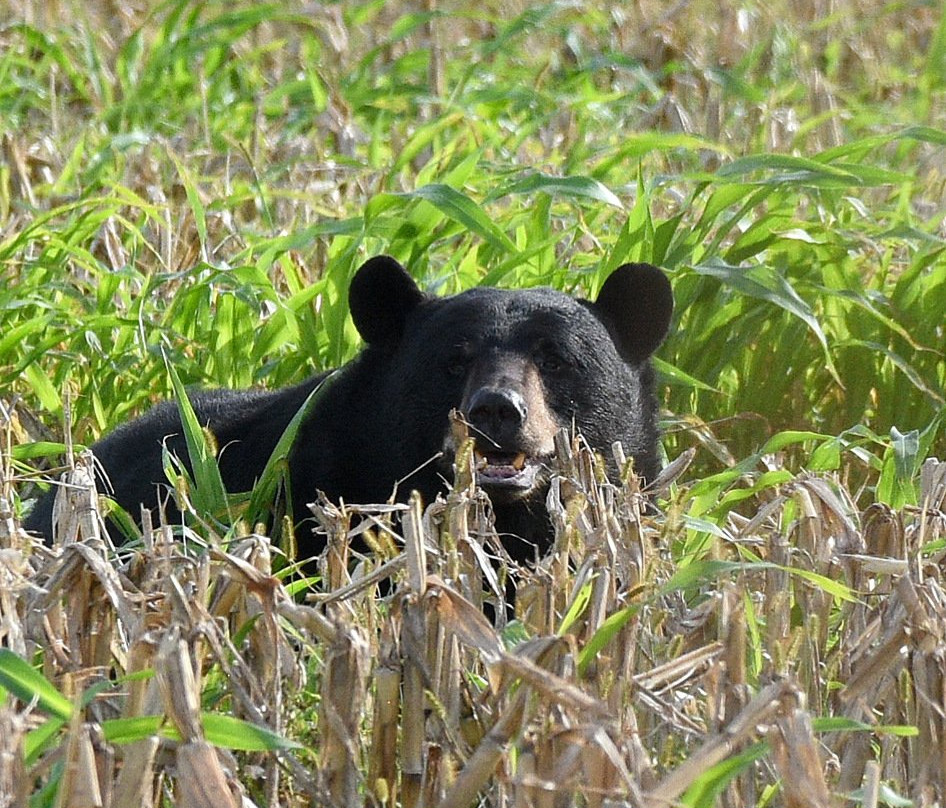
[
  {"x": 463, "y": 210},
  {"x": 27, "y": 684},
  {"x": 209, "y": 494},
  {"x": 766, "y": 283},
  {"x": 635, "y": 239},
  {"x": 233, "y": 733},
  {"x": 576, "y": 188},
  {"x": 275, "y": 472},
  {"x": 531, "y": 18},
  {"x": 579, "y": 603},
  {"x": 673, "y": 375},
  {"x": 696, "y": 573},
  {"x": 193, "y": 199},
  {"x": 935, "y": 68},
  {"x": 604, "y": 635},
  {"x": 224, "y": 731},
  {"x": 905, "y": 367},
  {"x": 839, "y": 723},
  {"x": 638, "y": 145},
  {"x": 46, "y": 391},
  {"x": 783, "y": 169},
  {"x": 706, "y": 789}
]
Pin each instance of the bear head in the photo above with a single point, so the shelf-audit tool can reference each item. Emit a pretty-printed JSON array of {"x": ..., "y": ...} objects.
[{"x": 519, "y": 365}]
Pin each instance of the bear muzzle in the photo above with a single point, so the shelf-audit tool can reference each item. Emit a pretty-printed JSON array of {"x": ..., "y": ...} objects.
[
  {"x": 509, "y": 476},
  {"x": 496, "y": 416},
  {"x": 512, "y": 446}
]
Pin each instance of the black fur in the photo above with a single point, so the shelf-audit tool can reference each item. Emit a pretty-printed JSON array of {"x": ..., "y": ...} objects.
[{"x": 525, "y": 362}]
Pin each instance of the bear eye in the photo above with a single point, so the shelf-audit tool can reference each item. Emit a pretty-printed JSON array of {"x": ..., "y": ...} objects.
[
  {"x": 548, "y": 359},
  {"x": 457, "y": 368},
  {"x": 458, "y": 362}
]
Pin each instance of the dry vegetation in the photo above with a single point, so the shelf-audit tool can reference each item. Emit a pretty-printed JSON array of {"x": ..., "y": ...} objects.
[
  {"x": 767, "y": 626},
  {"x": 804, "y": 653}
]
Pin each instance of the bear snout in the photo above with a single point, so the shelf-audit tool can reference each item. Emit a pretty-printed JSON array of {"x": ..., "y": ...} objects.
[
  {"x": 496, "y": 416},
  {"x": 513, "y": 432},
  {"x": 505, "y": 459}
]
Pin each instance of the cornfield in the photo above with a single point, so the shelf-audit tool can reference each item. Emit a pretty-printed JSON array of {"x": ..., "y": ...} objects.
[
  {"x": 186, "y": 190},
  {"x": 803, "y": 653}
]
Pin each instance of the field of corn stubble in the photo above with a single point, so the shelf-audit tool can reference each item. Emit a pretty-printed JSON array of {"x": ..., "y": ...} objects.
[{"x": 185, "y": 192}]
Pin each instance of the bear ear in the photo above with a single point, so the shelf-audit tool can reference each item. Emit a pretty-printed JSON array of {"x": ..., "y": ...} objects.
[
  {"x": 635, "y": 304},
  {"x": 380, "y": 297}
]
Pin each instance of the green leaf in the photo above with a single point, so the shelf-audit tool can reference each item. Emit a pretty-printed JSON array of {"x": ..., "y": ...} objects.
[
  {"x": 461, "y": 209},
  {"x": 897, "y": 484},
  {"x": 839, "y": 723},
  {"x": 906, "y": 448},
  {"x": 568, "y": 187},
  {"x": 264, "y": 492},
  {"x": 834, "y": 588},
  {"x": 635, "y": 240},
  {"x": 674, "y": 375},
  {"x": 766, "y": 283},
  {"x": 708, "y": 570},
  {"x": 45, "y": 391},
  {"x": 32, "y": 451},
  {"x": 232, "y": 733},
  {"x": 705, "y": 526},
  {"x": 697, "y": 572},
  {"x": 905, "y": 367},
  {"x": 220, "y": 730},
  {"x": 193, "y": 199},
  {"x": 28, "y": 684},
  {"x": 130, "y": 730},
  {"x": 579, "y": 604},
  {"x": 928, "y": 134},
  {"x": 826, "y": 456},
  {"x": 210, "y": 494},
  {"x": 705, "y": 790},
  {"x": 935, "y": 68},
  {"x": 604, "y": 635},
  {"x": 786, "y": 169},
  {"x": 791, "y": 437}
]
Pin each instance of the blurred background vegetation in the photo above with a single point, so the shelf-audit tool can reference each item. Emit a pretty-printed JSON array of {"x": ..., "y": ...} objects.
[{"x": 202, "y": 179}]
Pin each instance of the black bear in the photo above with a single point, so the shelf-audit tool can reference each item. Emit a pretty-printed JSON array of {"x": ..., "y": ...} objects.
[{"x": 519, "y": 365}]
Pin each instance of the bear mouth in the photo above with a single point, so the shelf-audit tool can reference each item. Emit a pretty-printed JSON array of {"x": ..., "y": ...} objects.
[{"x": 510, "y": 472}]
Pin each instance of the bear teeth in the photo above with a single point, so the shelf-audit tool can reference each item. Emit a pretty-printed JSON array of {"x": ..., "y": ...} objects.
[{"x": 516, "y": 462}]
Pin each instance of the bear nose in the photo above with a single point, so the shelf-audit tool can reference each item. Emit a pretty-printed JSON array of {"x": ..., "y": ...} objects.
[{"x": 498, "y": 413}]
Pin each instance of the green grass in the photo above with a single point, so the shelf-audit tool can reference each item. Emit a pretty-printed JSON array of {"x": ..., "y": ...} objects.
[
  {"x": 207, "y": 177},
  {"x": 197, "y": 184}
]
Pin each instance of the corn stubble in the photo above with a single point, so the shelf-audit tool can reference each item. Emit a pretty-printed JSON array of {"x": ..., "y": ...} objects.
[{"x": 647, "y": 677}]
